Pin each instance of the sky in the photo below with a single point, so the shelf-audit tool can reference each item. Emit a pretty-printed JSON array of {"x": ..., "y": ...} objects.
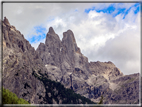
[{"x": 103, "y": 31}]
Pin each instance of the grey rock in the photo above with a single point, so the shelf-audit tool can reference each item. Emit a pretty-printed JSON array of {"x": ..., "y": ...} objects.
[
  {"x": 68, "y": 65},
  {"x": 128, "y": 91},
  {"x": 19, "y": 61},
  {"x": 106, "y": 68},
  {"x": 6, "y": 21},
  {"x": 50, "y": 51}
]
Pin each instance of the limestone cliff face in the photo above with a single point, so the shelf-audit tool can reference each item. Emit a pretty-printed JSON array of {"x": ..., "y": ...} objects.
[
  {"x": 50, "y": 51},
  {"x": 65, "y": 63},
  {"x": 19, "y": 61},
  {"x": 63, "y": 58},
  {"x": 108, "y": 69}
]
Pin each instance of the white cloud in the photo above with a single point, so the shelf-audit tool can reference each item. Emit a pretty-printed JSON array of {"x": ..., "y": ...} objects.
[
  {"x": 99, "y": 35},
  {"x": 123, "y": 50}
]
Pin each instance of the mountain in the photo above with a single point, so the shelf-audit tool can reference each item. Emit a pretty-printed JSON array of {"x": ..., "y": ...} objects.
[
  {"x": 57, "y": 72},
  {"x": 66, "y": 64},
  {"x": 25, "y": 75},
  {"x": 19, "y": 58},
  {"x": 65, "y": 58}
]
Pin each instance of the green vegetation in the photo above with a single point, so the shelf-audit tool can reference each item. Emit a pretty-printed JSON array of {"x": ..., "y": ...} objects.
[
  {"x": 11, "y": 98},
  {"x": 59, "y": 93}
]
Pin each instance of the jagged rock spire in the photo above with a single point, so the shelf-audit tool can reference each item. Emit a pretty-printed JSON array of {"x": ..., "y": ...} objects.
[
  {"x": 50, "y": 52},
  {"x": 51, "y": 37},
  {"x": 51, "y": 30},
  {"x": 6, "y": 21},
  {"x": 69, "y": 34},
  {"x": 70, "y": 42}
]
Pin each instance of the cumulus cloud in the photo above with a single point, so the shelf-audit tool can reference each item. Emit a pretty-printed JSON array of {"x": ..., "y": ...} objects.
[{"x": 101, "y": 30}]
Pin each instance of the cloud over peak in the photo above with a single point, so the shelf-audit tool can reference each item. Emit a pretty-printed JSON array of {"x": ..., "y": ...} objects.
[{"x": 103, "y": 31}]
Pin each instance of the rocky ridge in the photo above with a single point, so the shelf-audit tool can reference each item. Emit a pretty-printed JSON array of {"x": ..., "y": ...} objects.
[
  {"x": 19, "y": 60},
  {"x": 25, "y": 75},
  {"x": 25, "y": 69},
  {"x": 65, "y": 63}
]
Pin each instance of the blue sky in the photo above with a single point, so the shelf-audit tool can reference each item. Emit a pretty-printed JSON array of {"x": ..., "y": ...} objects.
[
  {"x": 112, "y": 8},
  {"x": 40, "y": 34}
]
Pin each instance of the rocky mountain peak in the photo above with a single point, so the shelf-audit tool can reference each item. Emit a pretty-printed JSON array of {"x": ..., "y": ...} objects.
[
  {"x": 50, "y": 51},
  {"x": 69, "y": 35},
  {"x": 51, "y": 30},
  {"x": 6, "y": 21},
  {"x": 41, "y": 47},
  {"x": 51, "y": 37},
  {"x": 69, "y": 42},
  {"x": 19, "y": 62}
]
